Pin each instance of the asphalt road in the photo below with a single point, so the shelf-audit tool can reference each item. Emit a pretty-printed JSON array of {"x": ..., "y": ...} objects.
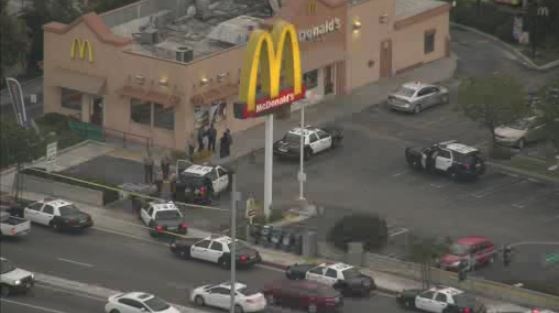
[
  {"x": 43, "y": 299},
  {"x": 122, "y": 263}
]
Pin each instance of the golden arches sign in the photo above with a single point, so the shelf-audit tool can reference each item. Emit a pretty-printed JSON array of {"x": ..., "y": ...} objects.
[
  {"x": 80, "y": 49},
  {"x": 269, "y": 52}
]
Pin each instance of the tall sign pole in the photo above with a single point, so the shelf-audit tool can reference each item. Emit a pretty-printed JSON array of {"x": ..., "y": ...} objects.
[
  {"x": 18, "y": 104},
  {"x": 234, "y": 198},
  {"x": 301, "y": 175},
  {"x": 265, "y": 54}
]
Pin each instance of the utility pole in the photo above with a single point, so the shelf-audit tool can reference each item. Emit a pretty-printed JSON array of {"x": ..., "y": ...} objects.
[
  {"x": 268, "y": 164},
  {"x": 301, "y": 175},
  {"x": 234, "y": 198}
]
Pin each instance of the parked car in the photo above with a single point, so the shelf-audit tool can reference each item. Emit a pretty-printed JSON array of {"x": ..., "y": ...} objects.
[
  {"x": 315, "y": 140},
  {"x": 58, "y": 214},
  {"x": 521, "y": 132},
  {"x": 14, "y": 280},
  {"x": 11, "y": 226},
  {"x": 440, "y": 300},
  {"x": 138, "y": 302},
  {"x": 458, "y": 161},
  {"x": 414, "y": 97},
  {"x": 219, "y": 295},
  {"x": 343, "y": 277},
  {"x": 215, "y": 249},
  {"x": 303, "y": 295},
  {"x": 480, "y": 249},
  {"x": 163, "y": 218},
  {"x": 199, "y": 183}
]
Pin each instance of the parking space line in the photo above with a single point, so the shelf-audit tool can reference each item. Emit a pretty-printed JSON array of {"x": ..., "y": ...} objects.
[
  {"x": 32, "y": 306},
  {"x": 75, "y": 262},
  {"x": 400, "y": 173},
  {"x": 492, "y": 189},
  {"x": 399, "y": 232}
]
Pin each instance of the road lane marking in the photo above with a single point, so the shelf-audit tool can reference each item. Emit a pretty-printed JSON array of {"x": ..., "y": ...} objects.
[
  {"x": 36, "y": 307},
  {"x": 492, "y": 189},
  {"x": 401, "y": 231},
  {"x": 399, "y": 173},
  {"x": 75, "y": 262},
  {"x": 438, "y": 186},
  {"x": 73, "y": 293}
]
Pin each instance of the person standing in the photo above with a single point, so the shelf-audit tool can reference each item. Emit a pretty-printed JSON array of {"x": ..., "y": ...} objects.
[
  {"x": 201, "y": 135},
  {"x": 228, "y": 142},
  {"x": 148, "y": 168},
  {"x": 212, "y": 135},
  {"x": 222, "y": 140},
  {"x": 191, "y": 145},
  {"x": 165, "y": 166}
]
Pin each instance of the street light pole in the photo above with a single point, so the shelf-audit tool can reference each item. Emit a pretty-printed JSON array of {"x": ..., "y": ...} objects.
[
  {"x": 234, "y": 199},
  {"x": 268, "y": 163},
  {"x": 301, "y": 175}
]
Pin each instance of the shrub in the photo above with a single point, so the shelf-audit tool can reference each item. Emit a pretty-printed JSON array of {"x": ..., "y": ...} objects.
[{"x": 371, "y": 230}]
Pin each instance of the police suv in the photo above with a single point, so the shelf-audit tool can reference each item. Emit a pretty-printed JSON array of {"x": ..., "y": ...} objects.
[
  {"x": 162, "y": 218},
  {"x": 315, "y": 140}
]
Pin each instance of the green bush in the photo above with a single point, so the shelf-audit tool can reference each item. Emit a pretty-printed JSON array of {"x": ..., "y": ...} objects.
[
  {"x": 371, "y": 230},
  {"x": 427, "y": 249},
  {"x": 490, "y": 18}
]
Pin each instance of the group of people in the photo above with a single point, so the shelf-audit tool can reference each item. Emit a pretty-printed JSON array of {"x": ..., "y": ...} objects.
[
  {"x": 209, "y": 135},
  {"x": 149, "y": 168}
]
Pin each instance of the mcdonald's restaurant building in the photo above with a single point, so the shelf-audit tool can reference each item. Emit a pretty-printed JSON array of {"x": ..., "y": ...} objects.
[{"x": 160, "y": 69}]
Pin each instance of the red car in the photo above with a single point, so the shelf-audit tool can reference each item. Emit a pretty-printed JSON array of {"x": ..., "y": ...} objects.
[
  {"x": 480, "y": 249},
  {"x": 303, "y": 295}
]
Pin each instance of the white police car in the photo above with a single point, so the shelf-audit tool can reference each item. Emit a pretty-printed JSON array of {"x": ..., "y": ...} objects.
[{"x": 315, "y": 140}]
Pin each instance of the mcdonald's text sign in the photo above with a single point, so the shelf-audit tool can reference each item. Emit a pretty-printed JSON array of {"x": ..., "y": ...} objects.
[
  {"x": 81, "y": 49},
  {"x": 273, "y": 53}
]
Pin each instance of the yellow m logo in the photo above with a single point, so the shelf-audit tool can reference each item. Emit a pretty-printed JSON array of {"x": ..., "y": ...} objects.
[
  {"x": 311, "y": 7},
  {"x": 81, "y": 48},
  {"x": 270, "y": 52}
]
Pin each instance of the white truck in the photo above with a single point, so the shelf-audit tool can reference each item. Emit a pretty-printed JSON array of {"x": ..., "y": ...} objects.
[
  {"x": 13, "y": 279},
  {"x": 11, "y": 226}
]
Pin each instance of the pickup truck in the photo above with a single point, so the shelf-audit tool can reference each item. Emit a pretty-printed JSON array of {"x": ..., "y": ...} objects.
[
  {"x": 215, "y": 249},
  {"x": 13, "y": 279},
  {"x": 11, "y": 226}
]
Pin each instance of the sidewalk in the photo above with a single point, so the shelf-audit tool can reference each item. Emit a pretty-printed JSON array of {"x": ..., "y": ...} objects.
[{"x": 126, "y": 224}]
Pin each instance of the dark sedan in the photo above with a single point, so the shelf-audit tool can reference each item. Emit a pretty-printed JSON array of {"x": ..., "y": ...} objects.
[
  {"x": 72, "y": 218},
  {"x": 303, "y": 295}
]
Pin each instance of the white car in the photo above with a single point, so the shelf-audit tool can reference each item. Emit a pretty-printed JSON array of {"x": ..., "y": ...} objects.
[
  {"x": 13, "y": 279},
  {"x": 315, "y": 140},
  {"x": 138, "y": 302},
  {"x": 163, "y": 217},
  {"x": 219, "y": 296},
  {"x": 58, "y": 214},
  {"x": 414, "y": 97},
  {"x": 521, "y": 132},
  {"x": 218, "y": 175}
]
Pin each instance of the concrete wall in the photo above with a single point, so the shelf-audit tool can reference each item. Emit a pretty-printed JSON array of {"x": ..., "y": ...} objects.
[{"x": 40, "y": 185}]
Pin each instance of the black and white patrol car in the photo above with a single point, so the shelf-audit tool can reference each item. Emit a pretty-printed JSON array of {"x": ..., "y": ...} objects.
[
  {"x": 450, "y": 157},
  {"x": 198, "y": 183},
  {"x": 58, "y": 214},
  {"x": 440, "y": 300},
  {"x": 315, "y": 140},
  {"x": 163, "y": 218},
  {"x": 343, "y": 277},
  {"x": 215, "y": 249}
]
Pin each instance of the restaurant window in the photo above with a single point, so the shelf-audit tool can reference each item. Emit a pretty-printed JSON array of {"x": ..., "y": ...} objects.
[
  {"x": 71, "y": 99},
  {"x": 163, "y": 117},
  {"x": 311, "y": 79},
  {"x": 429, "y": 41},
  {"x": 205, "y": 115},
  {"x": 140, "y": 111}
]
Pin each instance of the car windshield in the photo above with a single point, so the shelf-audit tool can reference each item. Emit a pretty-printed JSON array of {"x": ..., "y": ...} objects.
[
  {"x": 157, "y": 305},
  {"x": 292, "y": 138},
  {"x": 351, "y": 273},
  {"x": 521, "y": 124},
  {"x": 469, "y": 158},
  {"x": 68, "y": 210},
  {"x": 458, "y": 249},
  {"x": 405, "y": 91},
  {"x": 6, "y": 266},
  {"x": 240, "y": 245},
  {"x": 465, "y": 300},
  {"x": 247, "y": 291},
  {"x": 167, "y": 215}
]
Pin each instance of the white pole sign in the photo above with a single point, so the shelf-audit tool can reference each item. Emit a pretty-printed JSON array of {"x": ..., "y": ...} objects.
[{"x": 52, "y": 149}]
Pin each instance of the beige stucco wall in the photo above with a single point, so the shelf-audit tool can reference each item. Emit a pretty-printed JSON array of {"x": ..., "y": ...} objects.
[
  {"x": 364, "y": 45},
  {"x": 408, "y": 45}
]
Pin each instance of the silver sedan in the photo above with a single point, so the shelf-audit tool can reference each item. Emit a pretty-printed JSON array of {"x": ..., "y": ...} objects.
[{"x": 415, "y": 96}]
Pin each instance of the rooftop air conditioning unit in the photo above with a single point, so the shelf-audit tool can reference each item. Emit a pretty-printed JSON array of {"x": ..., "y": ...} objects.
[{"x": 184, "y": 54}]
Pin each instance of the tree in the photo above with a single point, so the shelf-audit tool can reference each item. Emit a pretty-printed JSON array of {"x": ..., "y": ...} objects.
[
  {"x": 45, "y": 11},
  {"x": 492, "y": 101},
  {"x": 14, "y": 40},
  {"x": 18, "y": 144},
  {"x": 101, "y": 6},
  {"x": 369, "y": 229},
  {"x": 549, "y": 107}
]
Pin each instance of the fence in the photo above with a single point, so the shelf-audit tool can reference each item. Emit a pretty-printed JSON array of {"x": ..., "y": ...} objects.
[{"x": 98, "y": 133}]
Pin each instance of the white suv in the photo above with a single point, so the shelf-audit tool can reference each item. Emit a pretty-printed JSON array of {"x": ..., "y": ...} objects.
[{"x": 13, "y": 279}]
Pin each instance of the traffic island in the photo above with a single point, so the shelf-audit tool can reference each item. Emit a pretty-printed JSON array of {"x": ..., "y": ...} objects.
[{"x": 530, "y": 167}]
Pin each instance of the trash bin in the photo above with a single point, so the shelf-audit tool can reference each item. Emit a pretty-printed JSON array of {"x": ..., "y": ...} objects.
[
  {"x": 265, "y": 234},
  {"x": 276, "y": 237},
  {"x": 297, "y": 246},
  {"x": 287, "y": 241},
  {"x": 309, "y": 244}
]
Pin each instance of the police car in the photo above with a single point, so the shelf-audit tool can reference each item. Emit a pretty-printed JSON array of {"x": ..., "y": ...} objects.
[
  {"x": 440, "y": 299},
  {"x": 197, "y": 183},
  {"x": 315, "y": 140},
  {"x": 162, "y": 218},
  {"x": 343, "y": 277},
  {"x": 58, "y": 214},
  {"x": 450, "y": 157}
]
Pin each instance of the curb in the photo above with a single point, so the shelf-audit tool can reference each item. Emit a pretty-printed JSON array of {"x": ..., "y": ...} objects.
[
  {"x": 520, "y": 57},
  {"x": 511, "y": 170}
]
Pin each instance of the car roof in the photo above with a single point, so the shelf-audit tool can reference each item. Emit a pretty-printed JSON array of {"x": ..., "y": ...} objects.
[
  {"x": 169, "y": 206},
  {"x": 458, "y": 147},
  {"x": 338, "y": 266},
  {"x": 199, "y": 170},
  {"x": 223, "y": 239},
  {"x": 416, "y": 85},
  {"x": 227, "y": 285},
  {"x": 451, "y": 291},
  {"x": 56, "y": 202},
  {"x": 303, "y": 131},
  {"x": 308, "y": 285},
  {"x": 139, "y": 296},
  {"x": 471, "y": 240}
]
